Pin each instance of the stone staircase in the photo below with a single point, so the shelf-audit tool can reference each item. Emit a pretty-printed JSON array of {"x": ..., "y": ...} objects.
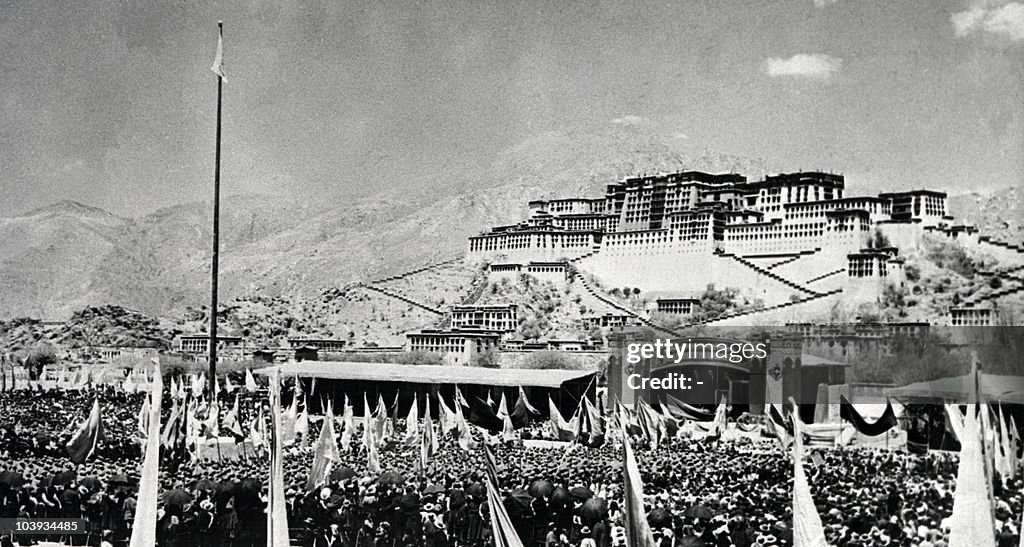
[
  {"x": 405, "y": 299},
  {"x": 820, "y": 277},
  {"x": 1019, "y": 249},
  {"x": 596, "y": 293},
  {"x": 792, "y": 259},
  {"x": 767, "y": 273},
  {"x": 397, "y": 277},
  {"x": 596, "y": 249},
  {"x": 1013, "y": 279}
]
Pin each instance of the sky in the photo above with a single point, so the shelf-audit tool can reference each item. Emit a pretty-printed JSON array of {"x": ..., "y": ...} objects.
[{"x": 112, "y": 103}]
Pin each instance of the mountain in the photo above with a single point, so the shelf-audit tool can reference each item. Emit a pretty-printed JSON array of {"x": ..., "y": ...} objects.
[
  {"x": 48, "y": 258},
  {"x": 69, "y": 256},
  {"x": 999, "y": 213}
]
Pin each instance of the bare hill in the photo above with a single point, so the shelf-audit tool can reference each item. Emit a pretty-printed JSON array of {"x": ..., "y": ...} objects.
[
  {"x": 70, "y": 256},
  {"x": 999, "y": 213}
]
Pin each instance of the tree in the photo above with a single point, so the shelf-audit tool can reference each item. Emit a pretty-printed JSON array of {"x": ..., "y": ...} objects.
[
  {"x": 487, "y": 359},
  {"x": 546, "y": 360},
  {"x": 636, "y": 292},
  {"x": 39, "y": 357}
]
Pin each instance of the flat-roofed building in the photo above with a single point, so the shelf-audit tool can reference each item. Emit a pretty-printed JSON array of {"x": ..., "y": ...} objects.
[
  {"x": 463, "y": 344},
  {"x": 488, "y": 318},
  {"x": 325, "y": 345},
  {"x": 200, "y": 343},
  {"x": 969, "y": 316}
]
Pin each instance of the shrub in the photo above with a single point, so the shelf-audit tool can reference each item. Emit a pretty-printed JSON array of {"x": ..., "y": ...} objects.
[{"x": 546, "y": 360}]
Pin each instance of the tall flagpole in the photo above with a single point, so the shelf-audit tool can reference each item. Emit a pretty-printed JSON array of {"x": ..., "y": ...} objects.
[{"x": 216, "y": 221}]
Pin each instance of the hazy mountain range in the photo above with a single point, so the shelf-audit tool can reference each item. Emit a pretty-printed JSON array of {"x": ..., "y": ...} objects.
[{"x": 64, "y": 257}]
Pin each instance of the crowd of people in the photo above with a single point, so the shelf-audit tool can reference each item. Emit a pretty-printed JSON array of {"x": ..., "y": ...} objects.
[{"x": 710, "y": 491}]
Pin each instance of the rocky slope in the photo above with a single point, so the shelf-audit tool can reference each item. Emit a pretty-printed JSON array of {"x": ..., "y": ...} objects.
[{"x": 69, "y": 256}]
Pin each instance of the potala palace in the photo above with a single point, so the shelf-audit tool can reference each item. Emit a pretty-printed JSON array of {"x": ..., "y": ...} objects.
[{"x": 790, "y": 239}]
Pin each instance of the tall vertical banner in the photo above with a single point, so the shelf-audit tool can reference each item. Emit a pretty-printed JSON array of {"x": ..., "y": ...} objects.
[
  {"x": 505, "y": 534},
  {"x": 325, "y": 452},
  {"x": 971, "y": 524},
  {"x": 277, "y": 516},
  {"x": 807, "y": 528},
  {"x": 144, "y": 527},
  {"x": 638, "y": 531}
]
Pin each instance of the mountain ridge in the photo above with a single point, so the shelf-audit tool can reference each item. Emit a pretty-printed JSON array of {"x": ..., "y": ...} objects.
[{"x": 67, "y": 256}]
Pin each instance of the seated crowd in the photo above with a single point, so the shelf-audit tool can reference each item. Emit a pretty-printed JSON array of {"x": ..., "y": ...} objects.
[{"x": 709, "y": 492}]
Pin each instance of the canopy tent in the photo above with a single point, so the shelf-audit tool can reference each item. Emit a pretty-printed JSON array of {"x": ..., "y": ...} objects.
[
  {"x": 402, "y": 382},
  {"x": 993, "y": 388}
]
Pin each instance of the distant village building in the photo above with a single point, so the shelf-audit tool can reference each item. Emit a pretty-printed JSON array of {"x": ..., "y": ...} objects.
[
  {"x": 323, "y": 345},
  {"x": 463, "y": 344},
  {"x": 968, "y": 316},
  {"x": 200, "y": 343},
  {"x": 488, "y": 318},
  {"x": 608, "y": 320},
  {"x": 550, "y": 345},
  {"x": 677, "y": 306}
]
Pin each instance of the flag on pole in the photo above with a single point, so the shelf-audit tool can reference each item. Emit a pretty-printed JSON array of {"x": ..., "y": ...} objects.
[
  {"x": 508, "y": 431},
  {"x": 228, "y": 386},
  {"x": 250, "y": 381},
  {"x": 144, "y": 421},
  {"x": 258, "y": 433},
  {"x": 348, "y": 425},
  {"x": 277, "y": 516},
  {"x": 128, "y": 385},
  {"x": 501, "y": 524},
  {"x": 84, "y": 442},
  {"x": 778, "y": 423},
  {"x": 807, "y": 528},
  {"x": 638, "y": 531},
  {"x": 144, "y": 526},
  {"x": 460, "y": 399},
  {"x": 1014, "y": 445},
  {"x": 592, "y": 434},
  {"x": 218, "y": 59},
  {"x": 211, "y": 426},
  {"x": 231, "y": 421},
  {"x": 1004, "y": 463},
  {"x": 446, "y": 416},
  {"x": 370, "y": 439},
  {"x": 412, "y": 420},
  {"x": 428, "y": 441},
  {"x": 721, "y": 421},
  {"x": 526, "y": 402},
  {"x": 466, "y": 441},
  {"x": 325, "y": 452},
  {"x": 384, "y": 429},
  {"x": 302, "y": 426},
  {"x": 560, "y": 429}
]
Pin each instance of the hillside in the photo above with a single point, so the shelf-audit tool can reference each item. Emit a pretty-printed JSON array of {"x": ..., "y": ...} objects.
[
  {"x": 998, "y": 213},
  {"x": 69, "y": 256}
]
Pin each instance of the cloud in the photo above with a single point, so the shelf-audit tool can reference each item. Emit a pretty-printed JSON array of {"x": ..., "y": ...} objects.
[
  {"x": 1006, "y": 20},
  {"x": 630, "y": 120},
  {"x": 816, "y": 65},
  {"x": 824, "y": 3}
]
